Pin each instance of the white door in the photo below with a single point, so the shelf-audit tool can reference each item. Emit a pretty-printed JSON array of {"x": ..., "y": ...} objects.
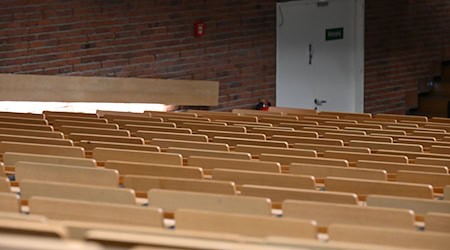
[{"x": 320, "y": 55}]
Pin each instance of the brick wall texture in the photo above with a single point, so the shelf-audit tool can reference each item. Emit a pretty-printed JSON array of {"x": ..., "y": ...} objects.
[{"x": 405, "y": 39}]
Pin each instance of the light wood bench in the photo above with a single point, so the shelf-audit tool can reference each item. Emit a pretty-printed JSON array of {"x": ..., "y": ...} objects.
[
  {"x": 142, "y": 184},
  {"x": 5, "y": 185},
  {"x": 383, "y": 237},
  {"x": 89, "y": 146},
  {"x": 21, "y": 115},
  {"x": 319, "y": 141},
  {"x": 293, "y": 110},
  {"x": 42, "y": 149},
  {"x": 402, "y": 117},
  {"x": 11, "y": 158},
  {"x": 35, "y": 140},
  {"x": 348, "y": 137},
  {"x": 165, "y": 113},
  {"x": 245, "y": 225},
  {"x": 197, "y": 126},
  {"x": 371, "y": 131},
  {"x": 102, "y": 155},
  {"x": 436, "y": 149},
  {"x": 389, "y": 146},
  {"x": 212, "y": 133},
  {"x": 411, "y": 155},
  {"x": 355, "y": 157},
  {"x": 106, "y": 138},
  {"x": 39, "y": 121},
  {"x": 134, "y": 128},
  {"x": 60, "y": 123},
  {"x": 323, "y": 131},
  {"x": 180, "y": 121},
  {"x": 419, "y": 206},
  {"x": 149, "y": 135},
  {"x": 343, "y": 125},
  {"x": 235, "y": 141},
  {"x": 438, "y": 181},
  {"x": 35, "y": 133},
  {"x": 367, "y": 187},
  {"x": 18, "y": 216},
  {"x": 32, "y": 228},
  {"x": 52, "y": 118},
  {"x": 63, "y": 209},
  {"x": 256, "y": 151},
  {"x": 166, "y": 143},
  {"x": 287, "y": 160},
  {"x": 132, "y": 117},
  {"x": 435, "y": 134},
  {"x": 423, "y": 142},
  {"x": 209, "y": 163},
  {"x": 76, "y": 114},
  {"x": 437, "y": 222},
  {"x": 135, "y": 168},
  {"x": 322, "y": 171},
  {"x": 274, "y": 131},
  {"x": 347, "y": 114},
  {"x": 227, "y": 116},
  {"x": 188, "y": 152},
  {"x": 32, "y": 188},
  {"x": 96, "y": 131},
  {"x": 241, "y": 177},
  {"x": 255, "y": 112},
  {"x": 172, "y": 200},
  {"x": 123, "y": 122},
  {"x": 2, "y": 170},
  {"x": 67, "y": 174},
  {"x": 320, "y": 149},
  {"x": 278, "y": 194},
  {"x": 327, "y": 214},
  {"x": 9, "y": 202},
  {"x": 25, "y": 126},
  {"x": 393, "y": 168},
  {"x": 432, "y": 161},
  {"x": 447, "y": 193}
]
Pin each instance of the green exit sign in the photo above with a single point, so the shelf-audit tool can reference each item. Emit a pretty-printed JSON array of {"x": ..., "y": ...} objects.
[{"x": 334, "y": 34}]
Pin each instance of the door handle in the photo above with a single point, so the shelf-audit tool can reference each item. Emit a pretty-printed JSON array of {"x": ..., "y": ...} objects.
[{"x": 319, "y": 102}]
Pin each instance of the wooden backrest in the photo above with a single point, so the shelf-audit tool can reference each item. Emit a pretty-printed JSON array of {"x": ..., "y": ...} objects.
[
  {"x": 322, "y": 171},
  {"x": 389, "y": 146},
  {"x": 166, "y": 143},
  {"x": 11, "y": 158},
  {"x": 255, "y": 151},
  {"x": 436, "y": 149},
  {"x": 329, "y": 213},
  {"x": 273, "y": 131},
  {"x": 286, "y": 160},
  {"x": 89, "y": 130},
  {"x": 42, "y": 149},
  {"x": 293, "y": 110},
  {"x": 367, "y": 187},
  {"x": 212, "y": 133},
  {"x": 411, "y": 155},
  {"x": 68, "y": 113},
  {"x": 51, "y": 118},
  {"x": 437, "y": 222},
  {"x": 433, "y": 161},
  {"x": 348, "y": 137},
  {"x": 241, "y": 177},
  {"x": 5, "y": 185},
  {"x": 35, "y": 133},
  {"x": 419, "y": 206},
  {"x": 21, "y": 115},
  {"x": 307, "y": 140},
  {"x": 347, "y": 114},
  {"x": 279, "y": 194},
  {"x": 245, "y": 225},
  {"x": 208, "y": 163},
  {"x": 91, "y": 145},
  {"x": 32, "y": 188},
  {"x": 31, "y": 228},
  {"x": 354, "y": 157},
  {"x": 60, "y": 123},
  {"x": 322, "y": 148},
  {"x": 123, "y": 122},
  {"x": 188, "y": 152},
  {"x": 135, "y": 168},
  {"x": 132, "y": 117},
  {"x": 196, "y": 126},
  {"x": 235, "y": 141},
  {"x": 67, "y": 174},
  {"x": 133, "y": 128},
  {"x": 388, "y": 237},
  {"x": 9, "y": 202},
  {"x": 63, "y": 209},
  {"x": 150, "y": 135},
  {"x": 25, "y": 126},
  {"x": 107, "y": 154},
  {"x": 434, "y": 179},
  {"x": 171, "y": 200},
  {"x": 392, "y": 167},
  {"x": 447, "y": 192},
  {"x": 403, "y": 117},
  {"x": 107, "y": 138},
  {"x": 37, "y": 140},
  {"x": 2, "y": 170},
  {"x": 143, "y": 184},
  {"x": 323, "y": 131}
]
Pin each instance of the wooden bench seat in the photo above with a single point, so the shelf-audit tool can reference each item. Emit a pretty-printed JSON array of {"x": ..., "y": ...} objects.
[
  {"x": 35, "y": 140},
  {"x": 212, "y": 133},
  {"x": 35, "y": 133},
  {"x": 106, "y": 138},
  {"x": 9, "y": 202},
  {"x": 367, "y": 187},
  {"x": 89, "y": 146},
  {"x": 5, "y": 185},
  {"x": 245, "y": 225},
  {"x": 133, "y": 128},
  {"x": 150, "y": 135},
  {"x": 102, "y": 155},
  {"x": 322, "y": 171},
  {"x": 25, "y": 126},
  {"x": 32, "y": 188},
  {"x": 319, "y": 141},
  {"x": 166, "y": 143},
  {"x": 256, "y": 151},
  {"x": 209, "y": 163},
  {"x": 142, "y": 184},
  {"x": 135, "y": 168},
  {"x": 278, "y": 194},
  {"x": 42, "y": 149},
  {"x": 11, "y": 158},
  {"x": 63, "y": 209},
  {"x": 172, "y": 200},
  {"x": 67, "y": 174},
  {"x": 326, "y": 214},
  {"x": 32, "y": 228},
  {"x": 60, "y": 123},
  {"x": 437, "y": 222},
  {"x": 389, "y": 146},
  {"x": 241, "y": 177},
  {"x": 320, "y": 149},
  {"x": 96, "y": 131},
  {"x": 288, "y": 159},
  {"x": 188, "y": 152},
  {"x": 39, "y": 121},
  {"x": 438, "y": 181},
  {"x": 447, "y": 192},
  {"x": 231, "y": 141}
]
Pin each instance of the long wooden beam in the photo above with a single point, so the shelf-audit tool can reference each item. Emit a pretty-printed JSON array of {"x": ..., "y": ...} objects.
[{"x": 24, "y": 87}]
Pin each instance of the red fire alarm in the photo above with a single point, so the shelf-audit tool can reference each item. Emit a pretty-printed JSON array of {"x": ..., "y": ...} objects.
[{"x": 199, "y": 29}]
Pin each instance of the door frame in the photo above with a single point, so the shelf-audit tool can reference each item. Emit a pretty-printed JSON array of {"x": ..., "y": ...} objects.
[{"x": 359, "y": 12}]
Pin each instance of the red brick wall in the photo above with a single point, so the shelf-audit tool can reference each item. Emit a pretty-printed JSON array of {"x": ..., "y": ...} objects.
[
  {"x": 154, "y": 39},
  {"x": 405, "y": 42}
]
